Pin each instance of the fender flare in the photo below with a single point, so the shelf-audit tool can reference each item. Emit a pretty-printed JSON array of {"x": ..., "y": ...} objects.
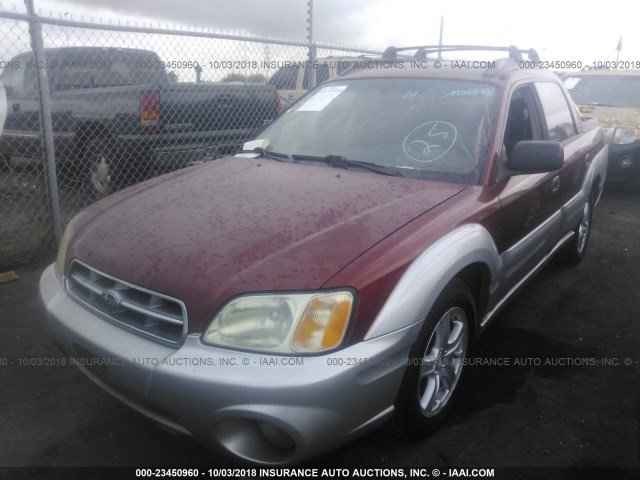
[{"x": 419, "y": 287}]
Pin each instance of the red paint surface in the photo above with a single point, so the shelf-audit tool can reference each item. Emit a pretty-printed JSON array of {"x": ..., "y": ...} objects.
[{"x": 242, "y": 225}]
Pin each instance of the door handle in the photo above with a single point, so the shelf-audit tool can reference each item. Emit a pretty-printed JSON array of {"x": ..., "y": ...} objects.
[
  {"x": 15, "y": 107},
  {"x": 555, "y": 184}
]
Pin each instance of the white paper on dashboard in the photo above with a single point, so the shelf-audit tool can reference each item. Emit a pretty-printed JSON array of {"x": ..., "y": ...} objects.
[
  {"x": 321, "y": 99},
  {"x": 569, "y": 83}
]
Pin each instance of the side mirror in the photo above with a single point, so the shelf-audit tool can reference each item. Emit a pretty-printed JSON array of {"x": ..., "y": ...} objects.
[{"x": 536, "y": 156}]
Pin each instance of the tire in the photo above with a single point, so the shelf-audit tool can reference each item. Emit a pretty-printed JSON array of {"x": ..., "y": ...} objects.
[
  {"x": 436, "y": 362},
  {"x": 574, "y": 251},
  {"x": 100, "y": 174}
]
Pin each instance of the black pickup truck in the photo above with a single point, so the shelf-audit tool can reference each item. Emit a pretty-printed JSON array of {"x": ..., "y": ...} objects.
[{"x": 117, "y": 114}]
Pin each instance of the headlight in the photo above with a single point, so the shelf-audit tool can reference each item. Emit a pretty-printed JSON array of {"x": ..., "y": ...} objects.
[
  {"x": 62, "y": 250},
  {"x": 625, "y": 136},
  {"x": 295, "y": 323}
]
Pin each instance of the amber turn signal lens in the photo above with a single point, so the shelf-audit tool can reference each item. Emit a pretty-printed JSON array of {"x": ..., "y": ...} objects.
[{"x": 323, "y": 323}]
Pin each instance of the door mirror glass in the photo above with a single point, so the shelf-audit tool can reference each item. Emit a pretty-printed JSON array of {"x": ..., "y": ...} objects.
[{"x": 536, "y": 156}]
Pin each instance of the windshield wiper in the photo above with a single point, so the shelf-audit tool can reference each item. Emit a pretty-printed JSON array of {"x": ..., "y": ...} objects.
[
  {"x": 341, "y": 162},
  {"x": 278, "y": 157}
]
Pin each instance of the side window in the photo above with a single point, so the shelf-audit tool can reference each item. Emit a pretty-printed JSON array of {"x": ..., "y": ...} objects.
[
  {"x": 560, "y": 124},
  {"x": 344, "y": 65},
  {"x": 285, "y": 78},
  {"x": 322, "y": 75},
  {"x": 523, "y": 123},
  {"x": 522, "y": 119}
]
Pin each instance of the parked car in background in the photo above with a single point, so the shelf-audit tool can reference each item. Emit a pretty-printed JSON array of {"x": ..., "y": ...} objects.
[
  {"x": 613, "y": 97},
  {"x": 294, "y": 80},
  {"x": 289, "y": 299},
  {"x": 117, "y": 116}
]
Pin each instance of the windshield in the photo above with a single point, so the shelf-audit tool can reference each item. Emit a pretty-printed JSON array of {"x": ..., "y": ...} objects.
[
  {"x": 608, "y": 90},
  {"x": 424, "y": 128}
]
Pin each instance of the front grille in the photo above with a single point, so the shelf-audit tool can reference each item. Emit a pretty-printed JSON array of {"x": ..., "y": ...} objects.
[{"x": 149, "y": 313}]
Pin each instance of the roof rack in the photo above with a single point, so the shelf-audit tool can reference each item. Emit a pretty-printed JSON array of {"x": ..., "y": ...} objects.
[{"x": 391, "y": 53}]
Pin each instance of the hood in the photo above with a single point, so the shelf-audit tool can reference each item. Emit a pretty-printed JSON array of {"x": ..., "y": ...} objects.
[
  {"x": 612, "y": 117},
  {"x": 240, "y": 225}
]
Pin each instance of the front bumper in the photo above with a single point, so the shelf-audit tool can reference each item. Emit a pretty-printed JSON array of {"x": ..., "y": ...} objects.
[{"x": 263, "y": 408}]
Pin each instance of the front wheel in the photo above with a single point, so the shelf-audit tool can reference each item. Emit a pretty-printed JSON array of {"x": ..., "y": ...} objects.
[
  {"x": 437, "y": 361},
  {"x": 99, "y": 168}
]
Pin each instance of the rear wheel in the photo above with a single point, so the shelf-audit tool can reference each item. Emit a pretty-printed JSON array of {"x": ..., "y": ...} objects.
[
  {"x": 437, "y": 361},
  {"x": 574, "y": 251}
]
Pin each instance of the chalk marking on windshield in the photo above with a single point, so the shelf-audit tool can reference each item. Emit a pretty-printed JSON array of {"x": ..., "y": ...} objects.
[
  {"x": 430, "y": 141},
  {"x": 470, "y": 92}
]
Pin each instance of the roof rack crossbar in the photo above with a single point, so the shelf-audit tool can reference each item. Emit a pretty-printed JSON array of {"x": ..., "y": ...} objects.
[{"x": 391, "y": 53}]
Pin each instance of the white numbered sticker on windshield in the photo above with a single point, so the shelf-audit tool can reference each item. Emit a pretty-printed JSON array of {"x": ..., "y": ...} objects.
[
  {"x": 569, "y": 83},
  {"x": 321, "y": 99}
]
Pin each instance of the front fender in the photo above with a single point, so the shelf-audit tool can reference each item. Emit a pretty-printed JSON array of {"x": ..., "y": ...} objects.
[{"x": 420, "y": 285}]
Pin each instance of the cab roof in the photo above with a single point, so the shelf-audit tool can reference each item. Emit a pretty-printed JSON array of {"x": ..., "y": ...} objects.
[{"x": 399, "y": 62}]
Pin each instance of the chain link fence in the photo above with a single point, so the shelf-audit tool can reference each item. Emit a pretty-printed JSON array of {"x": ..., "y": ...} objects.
[{"x": 95, "y": 107}]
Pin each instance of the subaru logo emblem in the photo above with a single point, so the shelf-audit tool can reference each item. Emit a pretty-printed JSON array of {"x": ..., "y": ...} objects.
[{"x": 109, "y": 299}]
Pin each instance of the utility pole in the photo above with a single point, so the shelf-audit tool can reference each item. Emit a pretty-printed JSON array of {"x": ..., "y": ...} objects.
[
  {"x": 310, "y": 22},
  {"x": 312, "y": 48}
]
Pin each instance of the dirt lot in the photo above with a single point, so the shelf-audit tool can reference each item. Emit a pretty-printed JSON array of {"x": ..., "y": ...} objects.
[{"x": 567, "y": 397}]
